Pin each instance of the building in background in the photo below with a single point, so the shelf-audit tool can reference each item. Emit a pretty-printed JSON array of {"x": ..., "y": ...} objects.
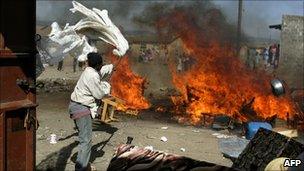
[{"x": 291, "y": 62}]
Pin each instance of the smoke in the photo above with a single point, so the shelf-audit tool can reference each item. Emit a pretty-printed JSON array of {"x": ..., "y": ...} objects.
[
  {"x": 257, "y": 15},
  {"x": 120, "y": 12},
  {"x": 50, "y": 11},
  {"x": 156, "y": 10},
  {"x": 203, "y": 16}
]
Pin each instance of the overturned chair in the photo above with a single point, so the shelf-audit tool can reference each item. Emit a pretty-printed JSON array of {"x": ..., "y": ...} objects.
[{"x": 110, "y": 105}]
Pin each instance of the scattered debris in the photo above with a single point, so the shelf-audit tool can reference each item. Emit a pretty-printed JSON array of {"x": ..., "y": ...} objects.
[
  {"x": 160, "y": 109},
  {"x": 222, "y": 122},
  {"x": 218, "y": 135},
  {"x": 50, "y": 85},
  {"x": 132, "y": 112},
  {"x": 172, "y": 92},
  {"x": 149, "y": 148},
  {"x": 53, "y": 139},
  {"x": 164, "y": 139},
  {"x": 150, "y": 137},
  {"x": 182, "y": 149},
  {"x": 164, "y": 127},
  {"x": 196, "y": 131},
  {"x": 163, "y": 89},
  {"x": 129, "y": 140},
  {"x": 40, "y": 137},
  {"x": 223, "y": 136}
]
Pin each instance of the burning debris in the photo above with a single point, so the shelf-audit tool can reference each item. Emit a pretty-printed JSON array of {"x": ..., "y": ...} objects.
[
  {"x": 128, "y": 86},
  {"x": 218, "y": 82}
]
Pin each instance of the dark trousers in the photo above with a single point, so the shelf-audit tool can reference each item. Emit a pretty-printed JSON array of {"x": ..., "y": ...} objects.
[{"x": 60, "y": 64}]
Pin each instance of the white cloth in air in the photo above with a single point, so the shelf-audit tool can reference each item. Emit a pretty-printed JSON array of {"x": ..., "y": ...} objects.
[
  {"x": 106, "y": 69},
  {"x": 69, "y": 40},
  {"x": 89, "y": 88},
  {"x": 100, "y": 22},
  {"x": 60, "y": 43}
]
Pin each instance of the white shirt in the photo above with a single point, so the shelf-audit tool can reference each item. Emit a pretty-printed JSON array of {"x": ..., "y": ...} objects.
[{"x": 89, "y": 88}]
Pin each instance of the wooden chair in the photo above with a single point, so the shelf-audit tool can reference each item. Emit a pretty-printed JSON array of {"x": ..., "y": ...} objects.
[{"x": 110, "y": 105}]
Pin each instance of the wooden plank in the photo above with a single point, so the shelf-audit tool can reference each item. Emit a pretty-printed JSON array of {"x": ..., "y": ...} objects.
[
  {"x": 119, "y": 100},
  {"x": 110, "y": 102},
  {"x": 2, "y": 141},
  {"x": 115, "y": 99},
  {"x": 30, "y": 147},
  {"x": 14, "y": 105},
  {"x": 16, "y": 146},
  {"x": 104, "y": 112},
  {"x": 112, "y": 110},
  {"x": 16, "y": 157}
]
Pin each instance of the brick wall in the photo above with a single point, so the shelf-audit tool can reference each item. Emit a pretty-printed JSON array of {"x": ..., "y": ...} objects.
[{"x": 292, "y": 51}]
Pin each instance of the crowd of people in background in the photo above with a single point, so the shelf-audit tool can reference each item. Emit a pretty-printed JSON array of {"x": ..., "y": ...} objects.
[
  {"x": 266, "y": 57},
  {"x": 263, "y": 57},
  {"x": 271, "y": 56},
  {"x": 148, "y": 54},
  {"x": 81, "y": 65},
  {"x": 184, "y": 62},
  {"x": 182, "y": 59}
]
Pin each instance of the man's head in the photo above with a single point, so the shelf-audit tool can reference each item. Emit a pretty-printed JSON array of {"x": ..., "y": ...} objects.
[{"x": 95, "y": 60}]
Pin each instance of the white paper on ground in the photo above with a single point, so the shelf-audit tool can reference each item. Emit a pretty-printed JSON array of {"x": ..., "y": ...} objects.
[{"x": 164, "y": 139}]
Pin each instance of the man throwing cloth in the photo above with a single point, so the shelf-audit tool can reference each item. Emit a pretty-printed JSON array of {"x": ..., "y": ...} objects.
[{"x": 85, "y": 100}]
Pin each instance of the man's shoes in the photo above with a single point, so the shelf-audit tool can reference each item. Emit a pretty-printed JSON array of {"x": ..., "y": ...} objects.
[{"x": 91, "y": 168}]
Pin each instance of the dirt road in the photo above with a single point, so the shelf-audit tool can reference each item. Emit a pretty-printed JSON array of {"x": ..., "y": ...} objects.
[{"x": 199, "y": 143}]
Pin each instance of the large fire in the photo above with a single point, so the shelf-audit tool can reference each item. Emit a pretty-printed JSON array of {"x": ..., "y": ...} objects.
[
  {"x": 128, "y": 86},
  {"x": 218, "y": 82}
]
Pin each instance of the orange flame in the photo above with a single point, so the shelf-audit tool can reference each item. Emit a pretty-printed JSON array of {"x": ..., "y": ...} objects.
[
  {"x": 218, "y": 82},
  {"x": 128, "y": 86}
]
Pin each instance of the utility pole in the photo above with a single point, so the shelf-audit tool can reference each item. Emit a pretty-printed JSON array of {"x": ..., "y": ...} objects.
[{"x": 239, "y": 30}]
